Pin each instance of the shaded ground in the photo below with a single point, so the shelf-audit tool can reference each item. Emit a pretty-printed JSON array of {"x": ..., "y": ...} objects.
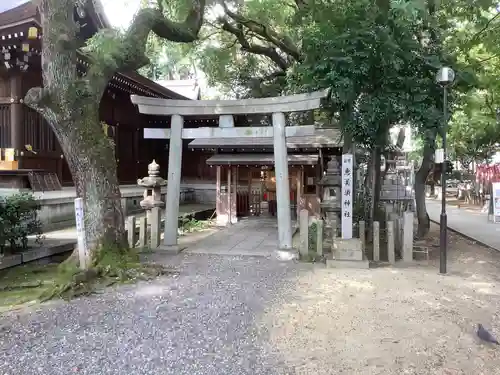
[
  {"x": 24, "y": 284},
  {"x": 247, "y": 315},
  {"x": 453, "y": 201}
]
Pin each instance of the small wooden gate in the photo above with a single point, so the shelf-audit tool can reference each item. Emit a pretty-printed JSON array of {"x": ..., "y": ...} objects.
[{"x": 248, "y": 202}]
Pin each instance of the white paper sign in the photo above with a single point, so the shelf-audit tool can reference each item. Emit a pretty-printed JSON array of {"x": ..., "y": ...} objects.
[
  {"x": 347, "y": 196},
  {"x": 80, "y": 233}
]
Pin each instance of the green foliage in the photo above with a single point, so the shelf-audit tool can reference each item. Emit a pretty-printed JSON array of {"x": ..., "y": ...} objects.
[
  {"x": 313, "y": 237},
  {"x": 360, "y": 208},
  {"x": 474, "y": 131},
  {"x": 18, "y": 220},
  {"x": 104, "y": 47},
  {"x": 169, "y": 60},
  {"x": 379, "y": 71},
  {"x": 190, "y": 225},
  {"x": 24, "y": 284}
]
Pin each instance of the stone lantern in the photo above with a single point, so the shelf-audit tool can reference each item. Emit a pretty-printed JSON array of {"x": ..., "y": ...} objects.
[
  {"x": 153, "y": 184},
  {"x": 330, "y": 204}
]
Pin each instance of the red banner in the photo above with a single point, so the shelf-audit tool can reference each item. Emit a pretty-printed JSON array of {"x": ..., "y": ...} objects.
[{"x": 488, "y": 173}]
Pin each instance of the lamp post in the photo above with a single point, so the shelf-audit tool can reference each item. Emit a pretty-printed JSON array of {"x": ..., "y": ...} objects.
[{"x": 444, "y": 78}]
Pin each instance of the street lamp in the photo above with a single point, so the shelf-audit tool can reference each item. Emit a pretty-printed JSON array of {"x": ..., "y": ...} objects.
[{"x": 444, "y": 78}]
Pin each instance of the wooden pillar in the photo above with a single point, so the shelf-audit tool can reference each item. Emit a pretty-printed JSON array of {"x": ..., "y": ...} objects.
[
  {"x": 229, "y": 203},
  {"x": 16, "y": 116},
  {"x": 250, "y": 201},
  {"x": 319, "y": 188},
  {"x": 300, "y": 183},
  {"x": 234, "y": 203},
  {"x": 135, "y": 152},
  {"x": 218, "y": 197},
  {"x": 318, "y": 179}
]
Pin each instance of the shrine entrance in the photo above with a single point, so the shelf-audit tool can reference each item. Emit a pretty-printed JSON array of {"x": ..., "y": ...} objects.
[
  {"x": 250, "y": 187},
  {"x": 279, "y": 134}
]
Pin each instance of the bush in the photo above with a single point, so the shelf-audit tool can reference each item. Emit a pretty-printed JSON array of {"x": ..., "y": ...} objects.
[
  {"x": 313, "y": 237},
  {"x": 18, "y": 220}
]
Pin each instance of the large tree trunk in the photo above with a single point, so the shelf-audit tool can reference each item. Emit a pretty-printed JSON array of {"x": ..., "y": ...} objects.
[
  {"x": 420, "y": 180},
  {"x": 372, "y": 186},
  {"x": 70, "y": 103},
  {"x": 93, "y": 166},
  {"x": 377, "y": 182}
]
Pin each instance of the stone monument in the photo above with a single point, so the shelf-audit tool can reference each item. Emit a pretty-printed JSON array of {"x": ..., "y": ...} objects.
[
  {"x": 330, "y": 204},
  {"x": 347, "y": 252}
]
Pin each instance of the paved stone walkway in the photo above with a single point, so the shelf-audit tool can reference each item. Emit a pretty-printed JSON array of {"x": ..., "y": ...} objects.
[
  {"x": 250, "y": 237},
  {"x": 473, "y": 224}
]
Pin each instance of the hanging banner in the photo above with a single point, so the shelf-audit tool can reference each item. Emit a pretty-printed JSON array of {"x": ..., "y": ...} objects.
[{"x": 347, "y": 196}]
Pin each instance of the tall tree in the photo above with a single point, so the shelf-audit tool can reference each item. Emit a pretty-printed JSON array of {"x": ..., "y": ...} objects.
[{"x": 70, "y": 103}]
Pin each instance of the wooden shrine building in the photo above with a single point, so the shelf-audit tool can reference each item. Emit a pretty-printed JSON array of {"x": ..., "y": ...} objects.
[{"x": 30, "y": 154}]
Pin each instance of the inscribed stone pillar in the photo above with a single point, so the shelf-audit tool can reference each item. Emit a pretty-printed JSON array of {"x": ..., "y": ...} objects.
[
  {"x": 16, "y": 116},
  {"x": 390, "y": 242},
  {"x": 143, "y": 232},
  {"x": 362, "y": 234},
  {"x": 282, "y": 182},
  {"x": 130, "y": 225},
  {"x": 174, "y": 182},
  {"x": 319, "y": 237},
  {"x": 155, "y": 227},
  {"x": 408, "y": 219},
  {"x": 376, "y": 241}
]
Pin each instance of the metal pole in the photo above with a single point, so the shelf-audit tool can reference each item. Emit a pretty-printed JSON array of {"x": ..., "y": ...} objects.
[{"x": 444, "y": 219}]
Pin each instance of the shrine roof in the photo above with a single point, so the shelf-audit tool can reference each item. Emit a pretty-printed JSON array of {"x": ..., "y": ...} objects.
[
  {"x": 19, "y": 14},
  {"x": 322, "y": 138},
  {"x": 16, "y": 11},
  {"x": 259, "y": 159}
]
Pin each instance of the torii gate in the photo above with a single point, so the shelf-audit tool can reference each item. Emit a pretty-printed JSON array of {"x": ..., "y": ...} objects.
[{"x": 277, "y": 106}]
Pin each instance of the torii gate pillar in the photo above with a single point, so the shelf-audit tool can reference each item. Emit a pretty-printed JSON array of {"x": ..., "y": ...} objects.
[
  {"x": 282, "y": 182},
  {"x": 174, "y": 183}
]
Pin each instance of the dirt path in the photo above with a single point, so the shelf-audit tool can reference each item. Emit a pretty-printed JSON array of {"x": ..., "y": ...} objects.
[{"x": 392, "y": 321}]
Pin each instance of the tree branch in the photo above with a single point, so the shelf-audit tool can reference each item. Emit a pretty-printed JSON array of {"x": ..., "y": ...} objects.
[
  {"x": 478, "y": 34},
  {"x": 128, "y": 52},
  {"x": 37, "y": 98},
  {"x": 269, "y": 52},
  {"x": 283, "y": 42},
  {"x": 147, "y": 20}
]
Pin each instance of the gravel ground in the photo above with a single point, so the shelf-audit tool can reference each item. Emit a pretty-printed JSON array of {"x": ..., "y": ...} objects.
[{"x": 232, "y": 316}]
